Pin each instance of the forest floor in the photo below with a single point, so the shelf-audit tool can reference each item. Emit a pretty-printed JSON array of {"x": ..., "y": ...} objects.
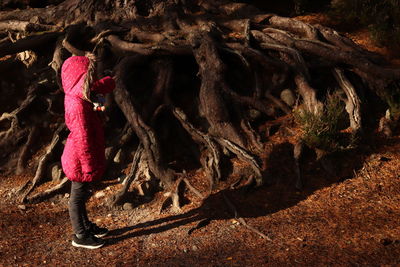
[{"x": 346, "y": 217}]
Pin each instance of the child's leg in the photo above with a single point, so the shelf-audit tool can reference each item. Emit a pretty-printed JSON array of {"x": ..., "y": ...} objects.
[
  {"x": 83, "y": 237},
  {"x": 91, "y": 227},
  {"x": 85, "y": 220},
  {"x": 77, "y": 207},
  {"x": 84, "y": 215}
]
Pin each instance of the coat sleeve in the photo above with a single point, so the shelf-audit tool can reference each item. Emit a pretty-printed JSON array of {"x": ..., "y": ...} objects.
[
  {"x": 85, "y": 145},
  {"x": 104, "y": 86}
]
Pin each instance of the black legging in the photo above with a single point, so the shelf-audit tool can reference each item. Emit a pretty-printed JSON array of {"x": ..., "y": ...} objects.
[{"x": 80, "y": 193}]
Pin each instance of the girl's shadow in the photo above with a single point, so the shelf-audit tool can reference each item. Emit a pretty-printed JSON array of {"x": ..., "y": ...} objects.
[
  {"x": 213, "y": 208},
  {"x": 279, "y": 193}
]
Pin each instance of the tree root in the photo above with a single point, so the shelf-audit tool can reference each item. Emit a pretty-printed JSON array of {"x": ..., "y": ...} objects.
[
  {"x": 212, "y": 103},
  {"x": 165, "y": 37},
  {"x": 150, "y": 161},
  {"x": 26, "y": 26},
  {"x": 278, "y": 103},
  {"x": 241, "y": 220},
  {"x": 212, "y": 164},
  {"x": 254, "y": 138},
  {"x": 124, "y": 137},
  {"x": 242, "y": 154},
  {"x": 194, "y": 190},
  {"x": 132, "y": 177},
  {"x": 57, "y": 60},
  {"x": 64, "y": 183},
  {"x": 353, "y": 103},
  {"x": 10, "y": 137},
  {"x": 27, "y": 188},
  {"x": 212, "y": 159},
  {"x": 72, "y": 49},
  {"x": 146, "y": 49},
  {"x": 5, "y": 136},
  {"x": 23, "y": 156},
  {"x": 172, "y": 195},
  {"x": 28, "y": 43},
  {"x": 145, "y": 133}
]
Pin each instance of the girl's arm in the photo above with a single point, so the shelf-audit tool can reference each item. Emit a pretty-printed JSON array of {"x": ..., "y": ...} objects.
[{"x": 104, "y": 86}]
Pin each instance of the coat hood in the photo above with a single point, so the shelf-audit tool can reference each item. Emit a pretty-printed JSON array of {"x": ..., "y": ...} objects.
[{"x": 72, "y": 71}]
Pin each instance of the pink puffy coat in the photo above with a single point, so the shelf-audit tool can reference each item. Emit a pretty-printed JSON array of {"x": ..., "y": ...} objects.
[{"x": 83, "y": 158}]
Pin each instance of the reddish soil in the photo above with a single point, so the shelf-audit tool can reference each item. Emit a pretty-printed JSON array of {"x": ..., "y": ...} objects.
[
  {"x": 350, "y": 222},
  {"x": 347, "y": 217}
]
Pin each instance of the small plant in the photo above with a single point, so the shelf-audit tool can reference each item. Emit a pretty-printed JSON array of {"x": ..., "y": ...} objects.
[{"x": 322, "y": 130}]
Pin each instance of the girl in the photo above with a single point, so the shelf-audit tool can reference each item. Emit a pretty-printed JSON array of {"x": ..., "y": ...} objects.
[{"x": 83, "y": 159}]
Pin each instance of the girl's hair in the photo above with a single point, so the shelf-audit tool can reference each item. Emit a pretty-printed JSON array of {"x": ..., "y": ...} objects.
[
  {"x": 90, "y": 77},
  {"x": 92, "y": 70}
]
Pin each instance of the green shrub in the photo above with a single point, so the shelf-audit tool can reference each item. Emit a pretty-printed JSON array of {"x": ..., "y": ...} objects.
[{"x": 323, "y": 130}]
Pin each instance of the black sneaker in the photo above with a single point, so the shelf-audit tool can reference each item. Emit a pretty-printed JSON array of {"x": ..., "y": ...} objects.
[
  {"x": 88, "y": 241},
  {"x": 97, "y": 231}
]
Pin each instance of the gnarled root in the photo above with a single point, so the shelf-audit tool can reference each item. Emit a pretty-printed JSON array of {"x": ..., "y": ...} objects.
[
  {"x": 27, "y": 188},
  {"x": 132, "y": 177},
  {"x": 60, "y": 187}
]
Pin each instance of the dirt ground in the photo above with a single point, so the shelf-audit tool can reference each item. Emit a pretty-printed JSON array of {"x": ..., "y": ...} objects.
[
  {"x": 348, "y": 216},
  {"x": 347, "y": 222}
]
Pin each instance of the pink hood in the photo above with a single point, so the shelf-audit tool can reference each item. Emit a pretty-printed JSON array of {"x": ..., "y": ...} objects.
[{"x": 73, "y": 71}]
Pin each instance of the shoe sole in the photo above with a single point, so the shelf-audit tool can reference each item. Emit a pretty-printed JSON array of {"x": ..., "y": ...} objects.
[{"x": 86, "y": 246}]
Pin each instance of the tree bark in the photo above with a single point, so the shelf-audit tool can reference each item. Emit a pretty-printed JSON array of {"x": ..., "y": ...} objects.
[{"x": 210, "y": 72}]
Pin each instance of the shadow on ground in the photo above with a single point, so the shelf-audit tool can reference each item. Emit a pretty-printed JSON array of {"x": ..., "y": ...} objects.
[{"x": 279, "y": 193}]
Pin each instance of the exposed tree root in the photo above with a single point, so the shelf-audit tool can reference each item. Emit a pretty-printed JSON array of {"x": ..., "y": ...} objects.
[
  {"x": 212, "y": 158},
  {"x": 28, "y": 43},
  {"x": 145, "y": 133},
  {"x": 25, "y": 26},
  {"x": 26, "y": 189},
  {"x": 245, "y": 156},
  {"x": 194, "y": 190},
  {"x": 7, "y": 136},
  {"x": 24, "y": 154},
  {"x": 132, "y": 177},
  {"x": 41, "y": 196},
  {"x": 353, "y": 103},
  {"x": 122, "y": 139},
  {"x": 173, "y": 196},
  {"x": 241, "y": 220},
  {"x": 212, "y": 104},
  {"x": 214, "y": 69}
]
